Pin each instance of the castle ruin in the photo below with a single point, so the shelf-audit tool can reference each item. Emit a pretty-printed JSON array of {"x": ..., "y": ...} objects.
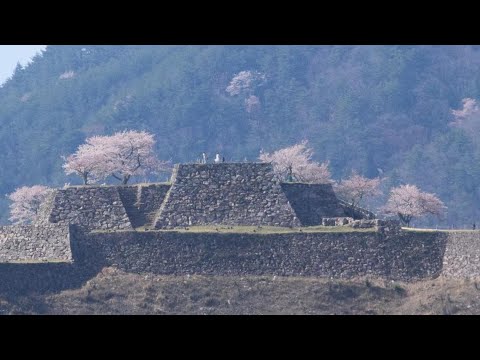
[{"x": 80, "y": 229}]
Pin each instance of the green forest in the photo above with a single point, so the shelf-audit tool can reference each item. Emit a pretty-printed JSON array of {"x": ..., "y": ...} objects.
[{"x": 380, "y": 110}]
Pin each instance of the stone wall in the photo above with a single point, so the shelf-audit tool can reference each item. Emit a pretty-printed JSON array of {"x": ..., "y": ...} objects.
[
  {"x": 407, "y": 256},
  {"x": 151, "y": 198},
  {"x": 228, "y": 194},
  {"x": 462, "y": 257},
  {"x": 93, "y": 207},
  {"x": 128, "y": 196},
  {"x": 200, "y": 194},
  {"x": 356, "y": 212},
  {"x": 43, "y": 214},
  {"x": 312, "y": 202},
  {"x": 142, "y": 202},
  {"x": 27, "y": 243}
]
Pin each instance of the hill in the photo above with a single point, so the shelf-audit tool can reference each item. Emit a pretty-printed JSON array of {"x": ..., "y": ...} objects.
[
  {"x": 382, "y": 110},
  {"x": 116, "y": 292}
]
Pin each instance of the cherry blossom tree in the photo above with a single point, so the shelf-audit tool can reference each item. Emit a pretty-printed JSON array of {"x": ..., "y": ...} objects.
[
  {"x": 86, "y": 162},
  {"x": 357, "y": 187},
  {"x": 127, "y": 153},
  {"x": 245, "y": 81},
  {"x": 295, "y": 163},
  {"x": 468, "y": 117},
  {"x": 122, "y": 155},
  {"x": 408, "y": 202},
  {"x": 25, "y": 203}
]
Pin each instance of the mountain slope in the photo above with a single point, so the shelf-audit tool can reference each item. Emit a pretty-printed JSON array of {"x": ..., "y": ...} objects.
[{"x": 382, "y": 110}]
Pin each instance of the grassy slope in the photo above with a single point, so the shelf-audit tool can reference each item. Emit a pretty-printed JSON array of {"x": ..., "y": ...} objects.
[
  {"x": 254, "y": 229},
  {"x": 115, "y": 292}
]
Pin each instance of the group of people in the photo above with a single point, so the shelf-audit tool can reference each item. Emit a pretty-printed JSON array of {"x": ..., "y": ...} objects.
[{"x": 217, "y": 159}]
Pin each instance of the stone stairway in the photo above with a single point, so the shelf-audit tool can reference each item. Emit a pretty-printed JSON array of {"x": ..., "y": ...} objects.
[
  {"x": 129, "y": 197},
  {"x": 150, "y": 219},
  {"x": 156, "y": 218}
]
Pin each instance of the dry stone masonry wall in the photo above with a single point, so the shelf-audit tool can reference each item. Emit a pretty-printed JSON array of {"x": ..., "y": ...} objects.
[
  {"x": 93, "y": 207},
  {"x": 407, "y": 256},
  {"x": 312, "y": 202},
  {"x": 142, "y": 202},
  {"x": 27, "y": 243},
  {"x": 43, "y": 214},
  {"x": 462, "y": 257},
  {"x": 151, "y": 198},
  {"x": 338, "y": 255},
  {"x": 200, "y": 194},
  {"x": 227, "y": 194}
]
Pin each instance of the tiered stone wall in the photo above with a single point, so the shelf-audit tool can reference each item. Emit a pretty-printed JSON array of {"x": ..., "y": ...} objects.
[
  {"x": 228, "y": 194},
  {"x": 27, "y": 243},
  {"x": 312, "y": 202},
  {"x": 93, "y": 207},
  {"x": 407, "y": 256},
  {"x": 200, "y": 194}
]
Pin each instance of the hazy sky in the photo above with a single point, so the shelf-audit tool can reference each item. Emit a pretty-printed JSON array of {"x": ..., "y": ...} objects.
[{"x": 11, "y": 54}]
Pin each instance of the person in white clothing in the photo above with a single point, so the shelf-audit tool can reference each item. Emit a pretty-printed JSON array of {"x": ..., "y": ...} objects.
[{"x": 217, "y": 159}]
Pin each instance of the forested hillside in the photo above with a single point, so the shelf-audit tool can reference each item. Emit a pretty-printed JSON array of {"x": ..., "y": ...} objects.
[{"x": 382, "y": 110}]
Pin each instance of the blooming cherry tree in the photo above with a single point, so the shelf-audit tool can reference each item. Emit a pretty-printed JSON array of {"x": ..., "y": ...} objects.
[
  {"x": 245, "y": 81},
  {"x": 86, "y": 162},
  {"x": 407, "y": 201},
  {"x": 25, "y": 203},
  {"x": 468, "y": 117},
  {"x": 357, "y": 187},
  {"x": 295, "y": 163},
  {"x": 122, "y": 155}
]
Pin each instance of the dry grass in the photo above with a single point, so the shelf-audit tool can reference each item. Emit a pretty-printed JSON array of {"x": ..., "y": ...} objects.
[
  {"x": 115, "y": 292},
  {"x": 117, "y": 185},
  {"x": 34, "y": 261},
  {"x": 268, "y": 229},
  {"x": 253, "y": 229},
  {"x": 439, "y": 230}
]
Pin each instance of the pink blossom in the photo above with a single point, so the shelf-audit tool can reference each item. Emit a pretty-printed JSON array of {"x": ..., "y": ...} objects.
[
  {"x": 67, "y": 75},
  {"x": 356, "y": 188},
  {"x": 122, "y": 155},
  {"x": 86, "y": 162},
  {"x": 25, "y": 203},
  {"x": 245, "y": 80},
  {"x": 407, "y": 201},
  {"x": 295, "y": 163},
  {"x": 468, "y": 117}
]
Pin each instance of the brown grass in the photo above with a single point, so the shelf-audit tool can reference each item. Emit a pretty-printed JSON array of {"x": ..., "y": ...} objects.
[
  {"x": 115, "y": 292},
  {"x": 253, "y": 229}
]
